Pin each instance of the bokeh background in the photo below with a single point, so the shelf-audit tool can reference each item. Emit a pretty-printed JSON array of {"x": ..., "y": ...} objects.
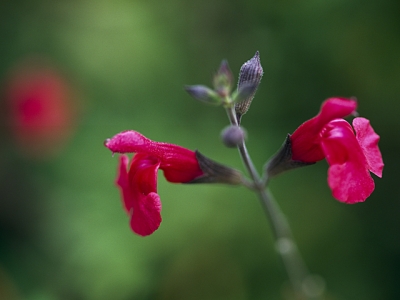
[{"x": 100, "y": 67}]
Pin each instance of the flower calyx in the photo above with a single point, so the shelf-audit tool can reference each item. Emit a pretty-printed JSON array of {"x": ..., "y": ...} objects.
[
  {"x": 282, "y": 160},
  {"x": 214, "y": 172}
]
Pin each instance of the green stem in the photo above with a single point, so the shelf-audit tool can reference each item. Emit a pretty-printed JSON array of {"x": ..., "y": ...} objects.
[{"x": 285, "y": 245}]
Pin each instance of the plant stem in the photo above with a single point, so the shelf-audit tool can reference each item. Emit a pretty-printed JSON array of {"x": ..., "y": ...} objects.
[{"x": 285, "y": 245}]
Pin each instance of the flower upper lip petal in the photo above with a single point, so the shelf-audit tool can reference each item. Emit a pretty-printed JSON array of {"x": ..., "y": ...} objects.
[
  {"x": 179, "y": 164},
  {"x": 306, "y": 138}
]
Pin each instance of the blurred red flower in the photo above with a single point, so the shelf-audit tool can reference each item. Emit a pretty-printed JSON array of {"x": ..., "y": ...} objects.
[
  {"x": 351, "y": 156},
  {"x": 138, "y": 185},
  {"x": 40, "y": 108}
]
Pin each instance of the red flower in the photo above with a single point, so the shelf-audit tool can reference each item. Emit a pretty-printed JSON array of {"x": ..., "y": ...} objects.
[
  {"x": 138, "y": 185},
  {"x": 351, "y": 157},
  {"x": 40, "y": 107}
]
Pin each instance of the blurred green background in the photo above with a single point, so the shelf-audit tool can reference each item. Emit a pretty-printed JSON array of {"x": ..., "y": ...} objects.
[{"x": 63, "y": 232}]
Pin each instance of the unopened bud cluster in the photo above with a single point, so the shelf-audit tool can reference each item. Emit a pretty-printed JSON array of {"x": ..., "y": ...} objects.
[
  {"x": 223, "y": 80},
  {"x": 249, "y": 79}
]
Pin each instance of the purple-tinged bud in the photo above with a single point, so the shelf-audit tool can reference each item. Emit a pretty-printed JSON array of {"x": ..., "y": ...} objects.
[
  {"x": 223, "y": 80},
  {"x": 245, "y": 91},
  {"x": 250, "y": 73},
  {"x": 233, "y": 135},
  {"x": 204, "y": 94}
]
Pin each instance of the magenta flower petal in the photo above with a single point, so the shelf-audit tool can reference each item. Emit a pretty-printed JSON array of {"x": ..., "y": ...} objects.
[
  {"x": 368, "y": 140},
  {"x": 179, "y": 164},
  {"x": 146, "y": 217},
  {"x": 306, "y": 138},
  {"x": 123, "y": 182},
  {"x": 139, "y": 192},
  {"x": 129, "y": 142},
  {"x": 348, "y": 174}
]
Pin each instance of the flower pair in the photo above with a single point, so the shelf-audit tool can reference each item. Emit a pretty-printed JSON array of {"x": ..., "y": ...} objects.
[{"x": 351, "y": 157}]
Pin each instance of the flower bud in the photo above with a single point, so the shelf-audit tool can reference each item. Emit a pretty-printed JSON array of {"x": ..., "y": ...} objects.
[
  {"x": 233, "y": 135},
  {"x": 223, "y": 80},
  {"x": 203, "y": 94},
  {"x": 246, "y": 90},
  {"x": 250, "y": 75}
]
